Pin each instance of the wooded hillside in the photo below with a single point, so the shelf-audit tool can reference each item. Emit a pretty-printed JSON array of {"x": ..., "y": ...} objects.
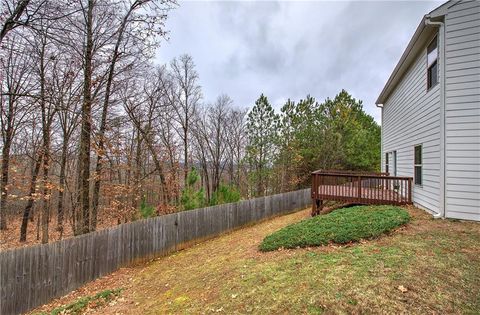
[{"x": 95, "y": 133}]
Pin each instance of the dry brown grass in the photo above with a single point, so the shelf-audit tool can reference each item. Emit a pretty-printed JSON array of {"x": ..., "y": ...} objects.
[{"x": 428, "y": 266}]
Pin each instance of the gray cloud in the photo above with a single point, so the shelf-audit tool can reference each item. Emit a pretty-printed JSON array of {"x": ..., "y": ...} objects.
[{"x": 291, "y": 49}]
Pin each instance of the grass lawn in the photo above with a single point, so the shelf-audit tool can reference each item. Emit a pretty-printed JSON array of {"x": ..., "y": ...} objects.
[
  {"x": 83, "y": 304},
  {"x": 427, "y": 266},
  {"x": 342, "y": 226}
]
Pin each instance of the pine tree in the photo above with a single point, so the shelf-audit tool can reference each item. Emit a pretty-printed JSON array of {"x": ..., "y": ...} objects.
[
  {"x": 299, "y": 143},
  {"x": 262, "y": 124},
  {"x": 351, "y": 135},
  {"x": 192, "y": 197}
]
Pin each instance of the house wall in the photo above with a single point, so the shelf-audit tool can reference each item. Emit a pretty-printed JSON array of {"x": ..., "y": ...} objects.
[
  {"x": 411, "y": 116},
  {"x": 462, "y": 111}
]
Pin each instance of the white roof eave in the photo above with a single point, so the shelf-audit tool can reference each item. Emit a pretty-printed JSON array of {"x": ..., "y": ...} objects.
[{"x": 417, "y": 41}]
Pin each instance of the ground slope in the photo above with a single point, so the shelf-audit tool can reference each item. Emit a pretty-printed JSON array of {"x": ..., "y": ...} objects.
[{"x": 427, "y": 266}]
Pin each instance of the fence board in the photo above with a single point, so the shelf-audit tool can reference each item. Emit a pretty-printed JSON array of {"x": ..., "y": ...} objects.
[{"x": 32, "y": 276}]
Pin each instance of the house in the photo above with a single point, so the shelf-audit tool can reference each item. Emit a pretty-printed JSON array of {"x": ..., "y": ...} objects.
[{"x": 431, "y": 112}]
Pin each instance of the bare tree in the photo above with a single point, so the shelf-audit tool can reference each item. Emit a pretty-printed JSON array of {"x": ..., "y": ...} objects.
[
  {"x": 66, "y": 97},
  {"x": 236, "y": 142},
  {"x": 47, "y": 109},
  {"x": 187, "y": 97},
  {"x": 143, "y": 115},
  {"x": 147, "y": 25},
  {"x": 36, "y": 158},
  {"x": 83, "y": 218},
  {"x": 211, "y": 134},
  {"x": 15, "y": 62}
]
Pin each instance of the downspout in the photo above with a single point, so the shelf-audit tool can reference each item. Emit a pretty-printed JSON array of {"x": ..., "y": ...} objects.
[
  {"x": 381, "y": 136},
  {"x": 441, "y": 46},
  {"x": 382, "y": 155}
]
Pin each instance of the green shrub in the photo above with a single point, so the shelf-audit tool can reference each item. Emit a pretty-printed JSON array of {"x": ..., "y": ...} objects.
[
  {"x": 225, "y": 194},
  {"x": 340, "y": 226},
  {"x": 146, "y": 211}
]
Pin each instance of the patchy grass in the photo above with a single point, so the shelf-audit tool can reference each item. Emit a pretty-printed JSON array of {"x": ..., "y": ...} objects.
[
  {"x": 340, "y": 226},
  {"x": 86, "y": 303},
  {"x": 428, "y": 266}
]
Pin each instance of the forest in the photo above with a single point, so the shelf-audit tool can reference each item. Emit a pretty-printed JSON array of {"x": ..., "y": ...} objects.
[{"x": 95, "y": 132}]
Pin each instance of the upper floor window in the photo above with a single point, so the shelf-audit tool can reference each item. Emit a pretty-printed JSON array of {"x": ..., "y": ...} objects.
[{"x": 432, "y": 63}]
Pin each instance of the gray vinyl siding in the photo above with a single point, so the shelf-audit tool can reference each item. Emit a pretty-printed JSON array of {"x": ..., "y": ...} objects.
[
  {"x": 462, "y": 111},
  {"x": 411, "y": 116}
]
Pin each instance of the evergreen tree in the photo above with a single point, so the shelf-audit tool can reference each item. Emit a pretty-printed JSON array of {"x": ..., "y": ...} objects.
[
  {"x": 337, "y": 134},
  {"x": 192, "y": 198},
  {"x": 262, "y": 123},
  {"x": 350, "y": 135},
  {"x": 225, "y": 194}
]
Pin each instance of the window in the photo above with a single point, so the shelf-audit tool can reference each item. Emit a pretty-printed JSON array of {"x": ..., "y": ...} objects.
[
  {"x": 386, "y": 163},
  {"x": 418, "y": 165},
  {"x": 432, "y": 63},
  {"x": 394, "y": 163},
  {"x": 391, "y": 163}
]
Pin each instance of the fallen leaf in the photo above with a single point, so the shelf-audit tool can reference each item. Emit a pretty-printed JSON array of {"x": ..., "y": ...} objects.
[{"x": 402, "y": 288}]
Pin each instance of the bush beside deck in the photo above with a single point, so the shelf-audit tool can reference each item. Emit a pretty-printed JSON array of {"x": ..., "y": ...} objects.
[{"x": 341, "y": 226}]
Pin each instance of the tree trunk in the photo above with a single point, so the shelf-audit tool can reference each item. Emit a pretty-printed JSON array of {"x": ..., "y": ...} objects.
[
  {"x": 137, "y": 195},
  {"x": 28, "y": 208},
  {"x": 96, "y": 193},
  {"x": 175, "y": 176},
  {"x": 207, "y": 180},
  {"x": 230, "y": 172},
  {"x": 4, "y": 181},
  {"x": 46, "y": 193},
  {"x": 6, "y": 164},
  {"x": 185, "y": 151},
  {"x": 46, "y": 189},
  {"x": 63, "y": 166},
  {"x": 83, "y": 215}
]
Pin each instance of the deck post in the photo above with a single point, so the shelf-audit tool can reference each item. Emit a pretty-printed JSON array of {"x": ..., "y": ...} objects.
[
  {"x": 359, "y": 188},
  {"x": 314, "y": 192},
  {"x": 410, "y": 190},
  {"x": 317, "y": 206}
]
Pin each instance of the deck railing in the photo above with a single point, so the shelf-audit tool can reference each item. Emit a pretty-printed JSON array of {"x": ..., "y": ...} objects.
[{"x": 360, "y": 187}]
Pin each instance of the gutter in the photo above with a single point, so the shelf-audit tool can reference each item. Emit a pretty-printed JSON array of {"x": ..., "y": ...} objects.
[{"x": 441, "y": 46}]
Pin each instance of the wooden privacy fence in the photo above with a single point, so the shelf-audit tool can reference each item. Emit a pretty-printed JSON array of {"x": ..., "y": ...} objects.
[{"x": 32, "y": 276}]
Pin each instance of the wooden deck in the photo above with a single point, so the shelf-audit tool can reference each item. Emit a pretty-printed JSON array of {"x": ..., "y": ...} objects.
[{"x": 359, "y": 188}]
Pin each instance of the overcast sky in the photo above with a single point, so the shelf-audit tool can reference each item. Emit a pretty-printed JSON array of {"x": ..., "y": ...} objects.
[{"x": 291, "y": 49}]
